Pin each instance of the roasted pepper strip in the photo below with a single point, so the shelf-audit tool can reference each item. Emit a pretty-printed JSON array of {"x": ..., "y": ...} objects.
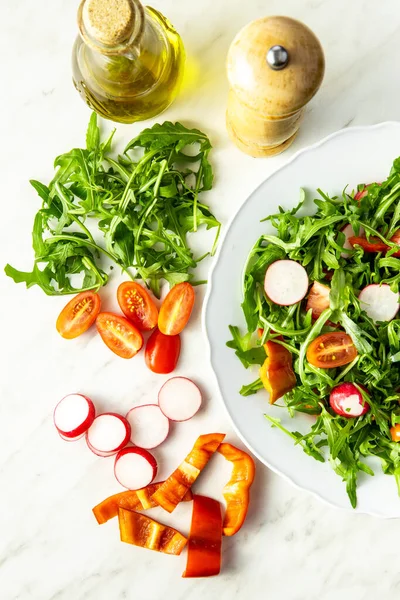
[
  {"x": 277, "y": 373},
  {"x": 172, "y": 491},
  {"x": 205, "y": 538},
  {"x": 142, "y": 531},
  {"x": 237, "y": 490},
  {"x": 131, "y": 500}
]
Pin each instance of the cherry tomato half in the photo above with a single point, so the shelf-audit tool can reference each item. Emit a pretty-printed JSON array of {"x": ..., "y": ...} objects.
[
  {"x": 375, "y": 244},
  {"x": 176, "y": 309},
  {"x": 331, "y": 350},
  {"x": 137, "y": 305},
  {"x": 119, "y": 334},
  {"x": 162, "y": 352},
  {"x": 78, "y": 315}
]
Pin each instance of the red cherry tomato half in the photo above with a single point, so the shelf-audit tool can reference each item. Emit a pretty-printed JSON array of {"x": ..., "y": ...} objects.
[
  {"x": 119, "y": 334},
  {"x": 78, "y": 315},
  {"x": 162, "y": 352},
  {"x": 331, "y": 350},
  {"x": 137, "y": 305},
  {"x": 375, "y": 244},
  {"x": 176, "y": 309}
]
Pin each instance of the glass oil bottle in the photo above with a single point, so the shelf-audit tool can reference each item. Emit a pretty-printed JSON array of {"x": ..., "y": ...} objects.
[{"x": 128, "y": 61}]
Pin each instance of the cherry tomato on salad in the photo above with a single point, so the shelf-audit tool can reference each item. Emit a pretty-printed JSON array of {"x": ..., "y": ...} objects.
[
  {"x": 176, "y": 309},
  {"x": 395, "y": 433},
  {"x": 375, "y": 244},
  {"x": 137, "y": 305},
  {"x": 162, "y": 352},
  {"x": 318, "y": 299},
  {"x": 119, "y": 334},
  {"x": 331, "y": 350},
  {"x": 78, "y": 315}
]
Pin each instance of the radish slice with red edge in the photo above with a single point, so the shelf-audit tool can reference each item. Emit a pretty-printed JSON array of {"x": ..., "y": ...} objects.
[
  {"x": 135, "y": 468},
  {"x": 347, "y": 401},
  {"x": 379, "y": 302},
  {"x": 67, "y": 439},
  {"x": 73, "y": 416},
  {"x": 348, "y": 233},
  {"x": 108, "y": 434},
  {"x": 149, "y": 426},
  {"x": 179, "y": 399},
  {"x": 286, "y": 282}
]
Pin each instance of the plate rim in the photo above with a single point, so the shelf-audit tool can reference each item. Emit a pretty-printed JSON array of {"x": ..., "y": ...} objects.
[{"x": 204, "y": 320}]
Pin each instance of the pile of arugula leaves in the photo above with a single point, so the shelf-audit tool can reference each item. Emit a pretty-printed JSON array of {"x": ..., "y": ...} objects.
[
  {"x": 142, "y": 203},
  {"x": 316, "y": 242}
]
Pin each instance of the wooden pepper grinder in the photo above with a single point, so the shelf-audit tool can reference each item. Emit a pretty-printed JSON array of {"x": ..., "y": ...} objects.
[{"x": 275, "y": 66}]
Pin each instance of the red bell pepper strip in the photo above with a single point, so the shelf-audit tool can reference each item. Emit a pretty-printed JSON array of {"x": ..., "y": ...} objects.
[
  {"x": 237, "y": 490},
  {"x": 205, "y": 538},
  {"x": 172, "y": 491},
  {"x": 131, "y": 500},
  {"x": 374, "y": 244},
  {"x": 277, "y": 373},
  {"x": 144, "y": 532}
]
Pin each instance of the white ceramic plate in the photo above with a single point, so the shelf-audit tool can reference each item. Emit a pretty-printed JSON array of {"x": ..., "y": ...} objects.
[{"x": 348, "y": 157}]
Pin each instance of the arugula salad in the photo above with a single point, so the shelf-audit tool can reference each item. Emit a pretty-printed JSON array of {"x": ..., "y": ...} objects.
[{"x": 321, "y": 301}]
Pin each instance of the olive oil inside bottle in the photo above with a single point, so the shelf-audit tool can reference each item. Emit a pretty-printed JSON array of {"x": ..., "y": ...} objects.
[{"x": 139, "y": 82}]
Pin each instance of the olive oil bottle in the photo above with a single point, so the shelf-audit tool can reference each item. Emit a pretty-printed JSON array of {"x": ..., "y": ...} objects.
[{"x": 128, "y": 61}]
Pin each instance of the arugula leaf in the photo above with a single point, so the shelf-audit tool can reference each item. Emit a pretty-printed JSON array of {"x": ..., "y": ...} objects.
[
  {"x": 145, "y": 208},
  {"x": 252, "y": 388},
  {"x": 242, "y": 345}
]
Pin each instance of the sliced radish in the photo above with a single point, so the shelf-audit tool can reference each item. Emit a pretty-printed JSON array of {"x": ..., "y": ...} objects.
[
  {"x": 361, "y": 193},
  {"x": 348, "y": 233},
  {"x": 135, "y": 468},
  {"x": 74, "y": 439},
  {"x": 149, "y": 426},
  {"x": 379, "y": 302},
  {"x": 346, "y": 400},
  {"x": 108, "y": 434},
  {"x": 73, "y": 416},
  {"x": 286, "y": 282},
  {"x": 179, "y": 399}
]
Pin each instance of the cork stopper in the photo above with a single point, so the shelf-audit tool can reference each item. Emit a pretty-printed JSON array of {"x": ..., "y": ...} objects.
[{"x": 109, "y": 25}]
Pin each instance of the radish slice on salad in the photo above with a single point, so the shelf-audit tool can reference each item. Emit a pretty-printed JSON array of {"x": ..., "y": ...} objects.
[
  {"x": 286, "y": 282},
  {"x": 179, "y": 399},
  {"x": 346, "y": 400},
  {"x": 108, "y": 434},
  {"x": 379, "y": 302},
  {"x": 149, "y": 426},
  {"x": 135, "y": 468},
  {"x": 73, "y": 416},
  {"x": 348, "y": 233},
  {"x": 361, "y": 193}
]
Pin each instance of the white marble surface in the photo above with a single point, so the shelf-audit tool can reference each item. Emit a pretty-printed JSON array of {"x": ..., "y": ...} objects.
[{"x": 292, "y": 547}]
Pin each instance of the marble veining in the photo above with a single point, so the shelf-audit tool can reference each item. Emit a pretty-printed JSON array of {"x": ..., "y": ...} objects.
[{"x": 293, "y": 547}]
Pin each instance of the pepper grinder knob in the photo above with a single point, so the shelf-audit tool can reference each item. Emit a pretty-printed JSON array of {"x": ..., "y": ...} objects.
[{"x": 277, "y": 57}]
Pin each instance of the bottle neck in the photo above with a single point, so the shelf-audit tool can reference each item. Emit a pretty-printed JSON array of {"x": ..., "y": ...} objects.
[{"x": 112, "y": 30}]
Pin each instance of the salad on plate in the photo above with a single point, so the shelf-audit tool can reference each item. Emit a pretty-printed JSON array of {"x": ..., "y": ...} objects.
[{"x": 321, "y": 305}]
